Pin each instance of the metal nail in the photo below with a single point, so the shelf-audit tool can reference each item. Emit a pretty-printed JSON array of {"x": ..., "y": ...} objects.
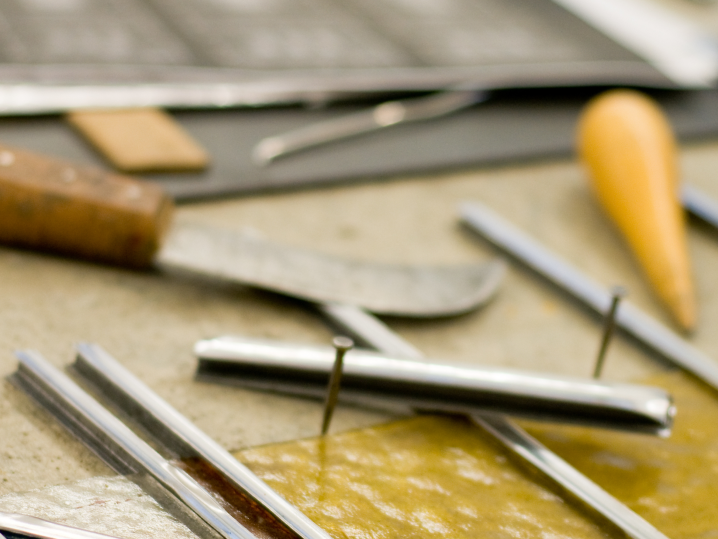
[
  {"x": 342, "y": 345},
  {"x": 609, "y": 324}
]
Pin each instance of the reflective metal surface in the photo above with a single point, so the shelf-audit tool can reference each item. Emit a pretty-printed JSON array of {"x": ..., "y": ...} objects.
[
  {"x": 43, "y": 529},
  {"x": 304, "y": 369},
  {"x": 179, "y": 434},
  {"x": 386, "y": 289},
  {"x": 373, "y": 119},
  {"x": 629, "y": 318},
  {"x": 700, "y": 205},
  {"x": 515, "y": 438},
  {"x": 118, "y": 446},
  {"x": 518, "y": 441}
]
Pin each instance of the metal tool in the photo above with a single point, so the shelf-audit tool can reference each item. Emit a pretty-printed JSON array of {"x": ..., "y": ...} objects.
[
  {"x": 609, "y": 323},
  {"x": 28, "y": 526},
  {"x": 74, "y": 210},
  {"x": 514, "y": 437},
  {"x": 125, "y": 452},
  {"x": 341, "y": 346},
  {"x": 366, "y": 121},
  {"x": 417, "y": 291},
  {"x": 372, "y": 377},
  {"x": 700, "y": 205},
  {"x": 629, "y": 318}
]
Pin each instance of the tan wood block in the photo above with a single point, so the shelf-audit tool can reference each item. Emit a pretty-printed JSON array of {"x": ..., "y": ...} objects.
[
  {"x": 140, "y": 140},
  {"x": 50, "y": 204}
]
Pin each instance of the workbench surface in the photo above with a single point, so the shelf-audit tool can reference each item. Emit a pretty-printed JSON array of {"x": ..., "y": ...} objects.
[{"x": 149, "y": 321}]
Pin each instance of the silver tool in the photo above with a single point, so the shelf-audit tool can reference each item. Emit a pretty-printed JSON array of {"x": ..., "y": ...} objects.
[
  {"x": 700, "y": 205},
  {"x": 181, "y": 436},
  {"x": 129, "y": 455},
  {"x": 434, "y": 386},
  {"x": 43, "y": 529},
  {"x": 516, "y": 439},
  {"x": 381, "y": 288},
  {"x": 629, "y": 318},
  {"x": 341, "y": 346},
  {"x": 609, "y": 324},
  {"x": 366, "y": 121}
]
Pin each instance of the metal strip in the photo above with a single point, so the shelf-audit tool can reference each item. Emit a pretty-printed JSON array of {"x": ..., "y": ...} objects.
[
  {"x": 437, "y": 386},
  {"x": 179, "y": 434},
  {"x": 43, "y": 529},
  {"x": 121, "y": 448},
  {"x": 629, "y": 318},
  {"x": 518, "y": 441}
]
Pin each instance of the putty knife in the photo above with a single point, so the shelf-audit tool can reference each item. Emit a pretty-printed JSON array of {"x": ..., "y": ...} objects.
[{"x": 58, "y": 206}]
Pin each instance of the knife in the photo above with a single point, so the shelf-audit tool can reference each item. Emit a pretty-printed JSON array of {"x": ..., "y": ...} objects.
[{"x": 58, "y": 206}]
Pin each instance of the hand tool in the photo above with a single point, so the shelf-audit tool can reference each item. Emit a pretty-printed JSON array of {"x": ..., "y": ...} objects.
[
  {"x": 513, "y": 437},
  {"x": 628, "y": 147},
  {"x": 366, "y": 121},
  {"x": 629, "y": 318},
  {"x": 59, "y": 206},
  {"x": 128, "y": 454},
  {"x": 27, "y": 526},
  {"x": 432, "y": 385}
]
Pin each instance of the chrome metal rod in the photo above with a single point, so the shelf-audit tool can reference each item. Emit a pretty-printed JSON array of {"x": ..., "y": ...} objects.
[
  {"x": 438, "y": 386},
  {"x": 121, "y": 448},
  {"x": 518, "y": 441},
  {"x": 629, "y": 318},
  {"x": 365, "y": 121},
  {"x": 700, "y": 205},
  {"x": 43, "y": 529},
  {"x": 179, "y": 434}
]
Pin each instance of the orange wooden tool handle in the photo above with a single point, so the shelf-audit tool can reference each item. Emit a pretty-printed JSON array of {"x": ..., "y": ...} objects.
[
  {"x": 628, "y": 147},
  {"x": 58, "y": 206}
]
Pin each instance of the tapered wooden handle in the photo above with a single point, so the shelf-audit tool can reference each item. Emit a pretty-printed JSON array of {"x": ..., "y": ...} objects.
[
  {"x": 628, "y": 147},
  {"x": 54, "y": 205}
]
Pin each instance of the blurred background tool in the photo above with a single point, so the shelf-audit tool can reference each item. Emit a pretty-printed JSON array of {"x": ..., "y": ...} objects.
[
  {"x": 374, "y": 378},
  {"x": 639, "y": 325},
  {"x": 629, "y": 149}
]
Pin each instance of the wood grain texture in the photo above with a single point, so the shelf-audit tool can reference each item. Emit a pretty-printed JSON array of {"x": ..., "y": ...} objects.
[
  {"x": 140, "y": 140},
  {"x": 62, "y": 207}
]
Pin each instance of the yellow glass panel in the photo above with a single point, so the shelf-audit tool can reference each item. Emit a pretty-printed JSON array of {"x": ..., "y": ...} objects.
[{"x": 430, "y": 476}]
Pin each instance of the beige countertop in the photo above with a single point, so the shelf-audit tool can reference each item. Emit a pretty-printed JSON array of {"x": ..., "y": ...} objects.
[{"x": 150, "y": 321}]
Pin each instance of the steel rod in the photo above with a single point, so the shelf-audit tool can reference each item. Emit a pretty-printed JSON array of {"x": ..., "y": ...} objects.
[
  {"x": 629, "y": 318},
  {"x": 135, "y": 398}
]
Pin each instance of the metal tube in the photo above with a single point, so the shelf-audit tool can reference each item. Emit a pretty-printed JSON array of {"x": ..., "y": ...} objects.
[
  {"x": 179, "y": 434},
  {"x": 518, "y": 441},
  {"x": 121, "y": 448},
  {"x": 629, "y": 318},
  {"x": 435, "y": 386},
  {"x": 28, "y": 526}
]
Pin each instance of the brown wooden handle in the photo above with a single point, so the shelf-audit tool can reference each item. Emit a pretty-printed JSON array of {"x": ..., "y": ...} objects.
[{"x": 58, "y": 206}]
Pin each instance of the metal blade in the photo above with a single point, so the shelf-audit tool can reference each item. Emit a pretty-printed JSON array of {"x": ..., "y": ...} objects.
[{"x": 380, "y": 288}]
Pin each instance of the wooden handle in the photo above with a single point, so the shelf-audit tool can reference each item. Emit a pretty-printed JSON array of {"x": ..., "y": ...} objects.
[
  {"x": 58, "y": 206},
  {"x": 628, "y": 147}
]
